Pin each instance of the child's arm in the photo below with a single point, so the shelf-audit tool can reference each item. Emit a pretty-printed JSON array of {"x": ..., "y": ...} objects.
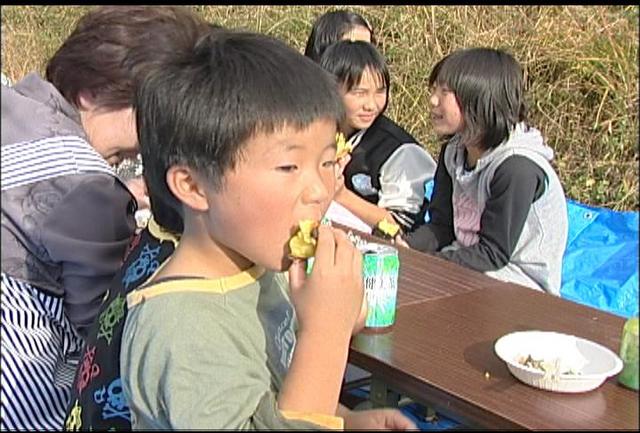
[
  {"x": 327, "y": 306},
  {"x": 438, "y": 232},
  {"x": 516, "y": 184},
  {"x": 367, "y": 212}
]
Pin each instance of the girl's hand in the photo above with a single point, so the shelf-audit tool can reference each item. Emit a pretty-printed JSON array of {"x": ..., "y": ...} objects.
[
  {"x": 398, "y": 240},
  {"x": 378, "y": 419}
]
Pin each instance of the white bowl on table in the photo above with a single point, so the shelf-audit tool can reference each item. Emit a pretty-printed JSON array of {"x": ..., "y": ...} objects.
[{"x": 577, "y": 364}]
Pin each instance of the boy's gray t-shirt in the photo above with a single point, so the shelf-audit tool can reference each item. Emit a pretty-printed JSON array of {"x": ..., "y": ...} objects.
[{"x": 212, "y": 354}]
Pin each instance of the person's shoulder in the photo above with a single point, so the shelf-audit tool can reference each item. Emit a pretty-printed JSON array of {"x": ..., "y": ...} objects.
[
  {"x": 100, "y": 190},
  {"x": 56, "y": 155},
  {"x": 518, "y": 170},
  {"x": 385, "y": 125},
  {"x": 173, "y": 303},
  {"x": 517, "y": 164},
  {"x": 187, "y": 312},
  {"x": 388, "y": 129}
]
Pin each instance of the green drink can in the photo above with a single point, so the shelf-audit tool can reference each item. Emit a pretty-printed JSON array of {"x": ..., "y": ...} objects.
[
  {"x": 380, "y": 270},
  {"x": 629, "y": 354}
]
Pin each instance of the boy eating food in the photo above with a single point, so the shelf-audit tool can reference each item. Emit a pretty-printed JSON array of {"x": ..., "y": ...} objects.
[{"x": 219, "y": 338}]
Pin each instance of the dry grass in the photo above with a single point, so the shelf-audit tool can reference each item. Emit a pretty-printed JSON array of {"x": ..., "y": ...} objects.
[{"x": 581, "y": 64}]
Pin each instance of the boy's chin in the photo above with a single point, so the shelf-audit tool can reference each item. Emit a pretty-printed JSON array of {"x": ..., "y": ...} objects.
[{"x": 275, "y": 264}]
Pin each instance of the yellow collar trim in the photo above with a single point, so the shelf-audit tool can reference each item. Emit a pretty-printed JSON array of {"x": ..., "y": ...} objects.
[{"x": 218, "y": 286}]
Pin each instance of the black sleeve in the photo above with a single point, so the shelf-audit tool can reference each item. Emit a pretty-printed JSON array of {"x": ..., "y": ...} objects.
[
  {"x": 438, "y": 232},
  {"x": 88, "y": 233},
  {"x": 516, "y": 184}
]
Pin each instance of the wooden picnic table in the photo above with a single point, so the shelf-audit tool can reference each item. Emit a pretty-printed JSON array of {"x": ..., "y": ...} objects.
[{"x": 440, "y": 351}]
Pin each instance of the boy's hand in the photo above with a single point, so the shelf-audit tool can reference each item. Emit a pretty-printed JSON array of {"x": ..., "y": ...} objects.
[
  {"x": 362, "y": 317},
  {"x": 329, "y": 300},
  {"x": 297, "y": 276},
  {"x": 378, "y": 419}
]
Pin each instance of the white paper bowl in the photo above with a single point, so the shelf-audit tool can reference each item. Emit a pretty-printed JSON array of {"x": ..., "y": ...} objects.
[{"x": 597, "y": 362}]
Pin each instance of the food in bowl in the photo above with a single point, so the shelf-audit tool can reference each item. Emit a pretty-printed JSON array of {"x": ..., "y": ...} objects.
[
  {"x": 551, "y": 366},
  {"x": 558, "y": 362}
]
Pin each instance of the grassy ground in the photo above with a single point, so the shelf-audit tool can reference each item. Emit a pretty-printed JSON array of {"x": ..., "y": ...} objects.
[{"x": 581, "y": 66}]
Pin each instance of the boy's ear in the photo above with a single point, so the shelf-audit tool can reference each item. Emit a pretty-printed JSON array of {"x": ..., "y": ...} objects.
[{"x": 186, "y": 186}]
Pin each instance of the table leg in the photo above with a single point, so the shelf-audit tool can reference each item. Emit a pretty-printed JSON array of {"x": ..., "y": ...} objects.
[{"x": 380, "y": 394}]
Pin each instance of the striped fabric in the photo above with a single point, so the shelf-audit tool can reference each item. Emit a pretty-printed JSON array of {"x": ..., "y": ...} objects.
[
  {"x": 39, "y": 353},
  {"x": 33, "y": 161}
]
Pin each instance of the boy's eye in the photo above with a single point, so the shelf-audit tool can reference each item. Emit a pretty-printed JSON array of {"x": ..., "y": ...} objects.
[
  {"x": 329, "y": 163},
  {"x": 287, "y": 168}
]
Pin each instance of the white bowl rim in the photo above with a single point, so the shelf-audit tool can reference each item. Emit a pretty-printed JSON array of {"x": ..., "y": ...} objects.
[{"x": 565, "y": 376}]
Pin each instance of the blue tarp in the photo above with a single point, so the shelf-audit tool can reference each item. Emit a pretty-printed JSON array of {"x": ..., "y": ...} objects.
[{"x": 600, "y": 264}]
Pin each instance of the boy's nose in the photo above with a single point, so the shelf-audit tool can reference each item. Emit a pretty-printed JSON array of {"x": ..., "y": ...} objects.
[
  {"x": 433, "y": 99},
  {"x": 317, "y": 191}
]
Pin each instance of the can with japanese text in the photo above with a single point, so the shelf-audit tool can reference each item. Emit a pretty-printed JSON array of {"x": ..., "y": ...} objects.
[{"x": 380, "y": 270}]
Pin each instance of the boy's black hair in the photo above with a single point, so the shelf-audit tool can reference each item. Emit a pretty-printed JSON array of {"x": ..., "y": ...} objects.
[
  {"x": 347, "y": 61},
  {"x": 330, "y": 27},
  {"x": 202, "y": 109},
  {"x": 489, "y": 87},
  {"x": 165, "y": 215}
]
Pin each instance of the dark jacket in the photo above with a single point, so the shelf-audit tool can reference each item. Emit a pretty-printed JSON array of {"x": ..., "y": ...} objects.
[{"x": 378, "y": 144}]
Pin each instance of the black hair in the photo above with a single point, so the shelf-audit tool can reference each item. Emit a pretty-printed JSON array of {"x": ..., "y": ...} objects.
[
  {"x": 331, "y": 27},
  {"x": 347, "y": 61},
  {"x": 164, "y": 214},
  {"x": 489, "y": 86},
  {"x": 201, "y": 110}
]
